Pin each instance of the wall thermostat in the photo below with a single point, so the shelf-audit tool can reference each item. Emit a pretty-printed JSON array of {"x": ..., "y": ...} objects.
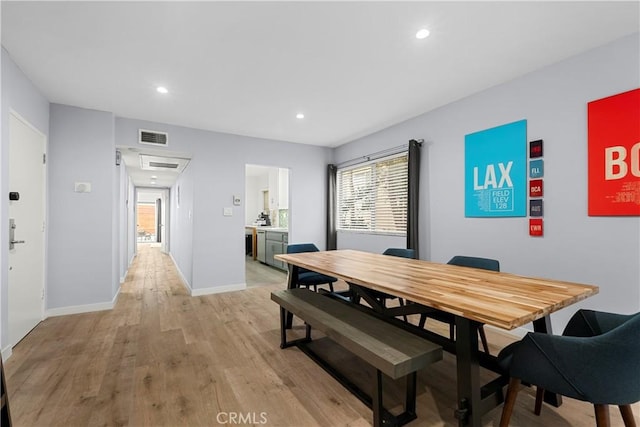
[
  {"x": 14, "y": 195},
  {"x": 236, "y": 200}
]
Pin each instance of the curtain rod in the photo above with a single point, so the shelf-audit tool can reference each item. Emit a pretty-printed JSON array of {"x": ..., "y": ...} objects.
[{"x": 377, "y": 155}]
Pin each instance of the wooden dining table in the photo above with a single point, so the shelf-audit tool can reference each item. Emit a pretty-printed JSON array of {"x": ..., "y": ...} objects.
[{"x": 474, "y": 296}]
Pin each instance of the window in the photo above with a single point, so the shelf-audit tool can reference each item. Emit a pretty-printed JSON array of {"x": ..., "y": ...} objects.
[{"x": 373, "y": 197}]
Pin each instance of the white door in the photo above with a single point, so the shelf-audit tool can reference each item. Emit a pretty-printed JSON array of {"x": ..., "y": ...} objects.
[{"x": 26, "y": 257}]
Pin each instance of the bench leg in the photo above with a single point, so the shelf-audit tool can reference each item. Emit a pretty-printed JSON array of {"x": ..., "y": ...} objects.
[
  {"x": 377, "y": 400},
  {"x": 410, "y": 401},
  {"x": 283, "y": 328},
  {"x": 284, "y": 320},
  {"x": 381, "y": 416}
]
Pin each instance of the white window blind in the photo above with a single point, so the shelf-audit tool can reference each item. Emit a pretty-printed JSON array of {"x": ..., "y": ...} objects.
[{"x": 373, "y": 197}]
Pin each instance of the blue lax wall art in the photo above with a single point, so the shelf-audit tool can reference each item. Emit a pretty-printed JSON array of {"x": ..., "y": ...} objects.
[{"x": 496, "y": 171}]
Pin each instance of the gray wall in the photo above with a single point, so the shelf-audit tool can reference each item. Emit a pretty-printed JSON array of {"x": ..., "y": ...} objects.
[
  {"x": 82, "y": 249},
  {"x": 131, "y": 233},
  {"x": 598, "y": 250},
  {"x": 181, "y": 225},
  {"x": 21, "y": 96},
  {"x": 217, "y": 172},
  {"x": 122, "y": 205}
]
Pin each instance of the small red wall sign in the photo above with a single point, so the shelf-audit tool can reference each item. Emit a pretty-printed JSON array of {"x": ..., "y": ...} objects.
[
  {"x": 535, "y": 188},
  {"x": 535, "y": 227},
  {"x": 614, "y": 155}
]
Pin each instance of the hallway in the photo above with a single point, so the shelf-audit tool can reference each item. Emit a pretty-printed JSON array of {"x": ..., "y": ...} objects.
[{"x": 163, "y": 358}]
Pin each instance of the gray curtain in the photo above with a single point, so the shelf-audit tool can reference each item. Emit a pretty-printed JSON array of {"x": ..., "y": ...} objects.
[
  {"x": 332, "y": 235},
  {"x": 413, "y": 201}
]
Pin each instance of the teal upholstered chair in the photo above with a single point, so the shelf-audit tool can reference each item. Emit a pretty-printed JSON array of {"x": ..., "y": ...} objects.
[
  {"x": 398, "y": 252},
  {"x": 306, "y": 278},
  {"x": 382, "y": 297},
  {"x": 463, "y": 261},
  {"x": 597, "y": 360}
]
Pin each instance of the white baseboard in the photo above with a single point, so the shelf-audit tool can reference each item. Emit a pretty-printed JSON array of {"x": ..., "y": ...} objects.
[
  {"x": 218, "y": 289},
  {"x": 206, "y": 291},
  {"x": 123, "y": 278},
  {"x": 85, "y": 308},
  {"x": 6, "y": 353},
  {"x": 183, "y": 279}
]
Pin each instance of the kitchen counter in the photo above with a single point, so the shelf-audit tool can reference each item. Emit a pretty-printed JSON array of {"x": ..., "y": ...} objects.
[{"x": 268, "y": 228}]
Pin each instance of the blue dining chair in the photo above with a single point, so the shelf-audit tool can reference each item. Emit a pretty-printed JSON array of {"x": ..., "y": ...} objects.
[
  {"x": 400, "y": 252},
  {"x": 380, "y": 296},
  {"x": 308, "y": 278},
  {"x": 596, "y": 359},
  {"x": 463, "y": 261}
]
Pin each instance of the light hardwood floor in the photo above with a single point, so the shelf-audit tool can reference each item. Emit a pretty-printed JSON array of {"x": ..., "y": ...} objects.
[{"x": 163, "y": 358}]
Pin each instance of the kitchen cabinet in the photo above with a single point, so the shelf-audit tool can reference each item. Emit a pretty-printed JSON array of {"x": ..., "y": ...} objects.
[{"x": 276, "y": 243}]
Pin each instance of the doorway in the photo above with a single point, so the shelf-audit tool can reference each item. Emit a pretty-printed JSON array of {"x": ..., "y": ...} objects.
[
  {"x": 266, "y": 223},
  {"x": 27, "y": 184},
  {"x": 152, "y": 225}
]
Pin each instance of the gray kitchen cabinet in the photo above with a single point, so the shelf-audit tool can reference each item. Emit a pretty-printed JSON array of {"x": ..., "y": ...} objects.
[{"x": 276, "y": 243}]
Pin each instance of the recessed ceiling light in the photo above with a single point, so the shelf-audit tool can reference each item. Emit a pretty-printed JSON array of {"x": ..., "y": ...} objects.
[
  {"x": 153, "y": 177},
  {"x": 162, "y": 89},
  {"x": 153, "y": 183},
  {"x": 299, "y": 116},
  {"x": 422, "y": 34}
]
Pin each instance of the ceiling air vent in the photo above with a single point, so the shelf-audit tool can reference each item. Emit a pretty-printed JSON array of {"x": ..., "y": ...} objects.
[
  {"x": 150, "y": 137},
  {"x": 163, "y": 165},
  {"x": 159, "y": 163}
]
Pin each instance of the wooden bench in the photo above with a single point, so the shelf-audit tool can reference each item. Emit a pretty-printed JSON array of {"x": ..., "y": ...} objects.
[{"x": 389, "y": 349}]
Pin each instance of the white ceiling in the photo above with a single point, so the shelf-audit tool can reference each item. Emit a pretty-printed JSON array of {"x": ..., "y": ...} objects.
[{"x": 248, "y": 67}]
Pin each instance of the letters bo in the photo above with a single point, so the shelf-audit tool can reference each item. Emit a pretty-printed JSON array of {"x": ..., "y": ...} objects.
[{"x": 618, "y": 163}]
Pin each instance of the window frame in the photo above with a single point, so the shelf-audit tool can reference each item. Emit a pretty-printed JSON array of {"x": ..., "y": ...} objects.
[{"x": 371, "y": 164}]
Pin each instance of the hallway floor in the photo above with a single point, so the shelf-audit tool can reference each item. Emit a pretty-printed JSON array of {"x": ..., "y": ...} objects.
[{"x": 164, "y": 358}]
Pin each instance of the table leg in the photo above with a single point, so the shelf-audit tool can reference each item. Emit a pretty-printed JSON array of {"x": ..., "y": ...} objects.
[
  {"x": 292, "y": 283},
  {"x": 543, "y": 325},
  {"x": 377, "y": 400},
  {"x": 468, "y": 369}
]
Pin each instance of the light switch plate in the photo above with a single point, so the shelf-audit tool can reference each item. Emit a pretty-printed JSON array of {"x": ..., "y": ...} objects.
[
  {"x": 228, "y": 212},
  {"x": 82, "y": 187}
]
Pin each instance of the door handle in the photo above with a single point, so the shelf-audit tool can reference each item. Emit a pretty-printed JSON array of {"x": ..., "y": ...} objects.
[
  {"x": 12, "y": 243},
  {"x": 12, "y": 234}
]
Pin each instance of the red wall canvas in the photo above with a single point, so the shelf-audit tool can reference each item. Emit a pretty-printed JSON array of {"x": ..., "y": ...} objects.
[{"x": 614, "y": 155}]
